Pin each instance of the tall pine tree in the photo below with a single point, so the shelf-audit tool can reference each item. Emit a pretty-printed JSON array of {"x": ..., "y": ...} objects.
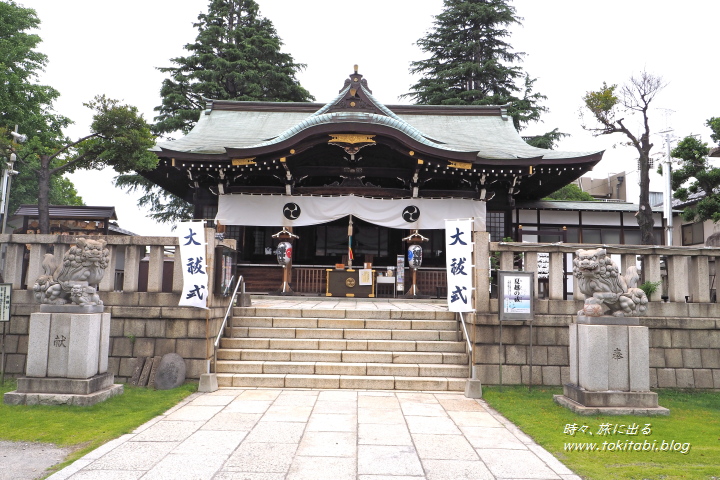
[
  {"x": 471, "y": 63},
  {"x": 236, "y": 56}
]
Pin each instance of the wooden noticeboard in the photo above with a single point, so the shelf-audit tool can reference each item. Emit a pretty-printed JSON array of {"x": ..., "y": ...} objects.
[{"x": 346, "y": 283}]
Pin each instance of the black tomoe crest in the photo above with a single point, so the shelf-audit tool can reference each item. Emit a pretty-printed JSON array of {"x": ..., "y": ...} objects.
[
  {"x": 291, "y": 211},
  {"x": 411, "y": 214}
]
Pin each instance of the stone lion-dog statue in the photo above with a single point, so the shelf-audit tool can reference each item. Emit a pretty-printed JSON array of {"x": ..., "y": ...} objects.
[
  {"x": 606, "y": 290},
  {"x": 76, "y": 278}
]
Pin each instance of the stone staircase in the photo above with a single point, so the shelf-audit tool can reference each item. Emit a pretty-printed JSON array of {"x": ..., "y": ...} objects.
[{"x": 340, "y": 347}]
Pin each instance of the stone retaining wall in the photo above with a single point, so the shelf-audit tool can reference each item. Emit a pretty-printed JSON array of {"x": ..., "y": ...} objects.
[
  {"x": 684, "y": 351},
  {"x": 135, "y": 331}
]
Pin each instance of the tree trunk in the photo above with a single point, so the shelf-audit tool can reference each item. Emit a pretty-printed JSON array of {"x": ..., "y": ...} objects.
[
  {"x": 44, "y": 194},
  {"x": 645, "y": 215}
]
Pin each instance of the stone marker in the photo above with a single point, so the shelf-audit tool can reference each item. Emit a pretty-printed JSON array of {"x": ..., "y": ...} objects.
[{"x": 170, "y": 372}]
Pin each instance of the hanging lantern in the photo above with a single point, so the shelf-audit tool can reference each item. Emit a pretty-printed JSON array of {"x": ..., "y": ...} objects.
[
  {"x": 414, "y": 256},
  {"x": 284, "y": 253}
]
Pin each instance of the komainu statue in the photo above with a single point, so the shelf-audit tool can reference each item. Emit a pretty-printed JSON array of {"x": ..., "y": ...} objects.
[
  {"x": 606, "y": 290},
  {"x": 75, "y": 281}
]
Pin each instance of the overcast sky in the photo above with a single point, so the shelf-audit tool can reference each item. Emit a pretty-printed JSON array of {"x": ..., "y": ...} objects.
[{"x": 113, "y": 48}]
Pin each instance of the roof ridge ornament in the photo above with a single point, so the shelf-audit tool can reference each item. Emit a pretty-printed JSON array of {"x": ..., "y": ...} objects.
[{"x": 355, "y": 96}]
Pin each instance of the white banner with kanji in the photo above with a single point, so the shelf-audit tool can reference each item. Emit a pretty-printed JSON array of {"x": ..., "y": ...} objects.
[
  {"x": 191, "y": 237},
  {"x": 458, "y": 254}
]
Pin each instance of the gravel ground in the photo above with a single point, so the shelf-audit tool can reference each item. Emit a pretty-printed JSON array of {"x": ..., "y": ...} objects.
[{"x": 28, "y": 461}]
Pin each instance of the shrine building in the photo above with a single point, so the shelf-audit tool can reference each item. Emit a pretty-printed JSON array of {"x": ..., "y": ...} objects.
[{"x": 258, "y": 167}]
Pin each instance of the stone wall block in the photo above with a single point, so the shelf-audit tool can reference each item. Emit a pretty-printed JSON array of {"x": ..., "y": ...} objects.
[
  {"x": 127, "y": 367},
  {"x": 37, "y": 363},
  {"x": 564, "y": 375},
  {"x": 196, "y": 328},
  {"x": 710, "y": 357},
  {"x": 716, "y": 378},
  {"x": 117, "y": 327},
  {"x": 539, "y": 355},
  {"x": 11, "y": 343},
  {"x": 15, "y": 363},
  {"x": 558, "y": 356},
  {"x": 134, "y": 328},
  {"x": 191, "y": 348},
  {"x": 653, "y": 378},
  {"x": 114, "y": 365},
  {"x": 489, "y": 374},
  {"x": 691, "y": 358},
  {"x": 705, "y": 339},
  {"x": 536, "y": 375},
  {"x": 487, "y": 354},
  {"x": 660, "y": 338},
  {"x": 657, "y": 357},
  {"x": 666, "y": 378},
  {"x": 685, "y": 378},
  {"x": 680, "y": 338},
  {"x": 563, "y": 336},
  {"x": 19, "y": 325},
  {"x": 487, "y": 333},
  {"x": 165, "y": 345},
  {"x": 23, "y": 341},
  {"x": 511, "y": 374},
  {"x": 155, "y": 328},
  {"x": 195, "y": 368},
  {"x": 122, "y": 347},
  {"x": 703, "y": 378},
  {"x": 546, "y": 336},
  {"x": 673, "y": 358},
  {"x": 144, "y": 347},
  {"x": 515, "y": 355},
  {"x": 551, "y": 376},
  {"x": 176, "y": 328}
]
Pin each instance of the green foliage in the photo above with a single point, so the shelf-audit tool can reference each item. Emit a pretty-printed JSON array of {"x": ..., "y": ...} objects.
[
  {"x": 602, "y": 103},
  {"x": 164, "y": 206},
  {"x": 572, "y": 193},
  {"x": 548, "y": 140},
  {"x": 86, "y": 427},
  {"x": 702, "y": 177},
  {"x": 25, "y": 103},
  {"x": 714, "y": 124},
  {"x": 471, "y": 62},
  {"x": 649, "y": 287},
  {"x": 694, "y": 418},
  {"x": 236, "y": 56}
]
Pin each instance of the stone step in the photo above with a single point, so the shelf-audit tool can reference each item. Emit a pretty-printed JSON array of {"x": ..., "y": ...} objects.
[
  {"x": 343, "y": 344},
  {"x": 340, "y": 333},
  {"x": 339, "y": 368},
  {"x": 341, "y": 381},
  {"x": 344, "y": 323},
  {"x": 341, "y": 356},
  {"x": 377, "y": 314}
]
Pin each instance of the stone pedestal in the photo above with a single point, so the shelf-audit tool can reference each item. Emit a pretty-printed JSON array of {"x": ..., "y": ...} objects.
[
  {"x": 67, "y": 361},
  {"x": 609, "y": 368}
]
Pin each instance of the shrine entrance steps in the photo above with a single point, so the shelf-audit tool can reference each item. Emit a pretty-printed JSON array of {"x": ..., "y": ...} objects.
[{"x": 354, "y": 344}]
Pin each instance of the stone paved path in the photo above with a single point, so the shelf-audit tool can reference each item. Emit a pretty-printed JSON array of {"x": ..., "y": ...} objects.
[{"x": 259, "y": 434}]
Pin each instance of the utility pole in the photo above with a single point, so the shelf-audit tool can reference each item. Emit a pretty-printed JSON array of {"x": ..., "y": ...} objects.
[
  {"x": 667, "y": 197},
  {"x": 8, "y": 173}
]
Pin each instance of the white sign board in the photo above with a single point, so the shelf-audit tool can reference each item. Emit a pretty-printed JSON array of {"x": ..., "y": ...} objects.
[
  {"x": 5, "y": 297},
  {"x": 458, "y": 254},
  {"x": 191, "y": 236},
  {"x": 516, "y": 294}
]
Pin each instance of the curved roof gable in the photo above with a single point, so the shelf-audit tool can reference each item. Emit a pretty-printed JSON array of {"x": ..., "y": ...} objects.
[{"x": 230, "y": 128}]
